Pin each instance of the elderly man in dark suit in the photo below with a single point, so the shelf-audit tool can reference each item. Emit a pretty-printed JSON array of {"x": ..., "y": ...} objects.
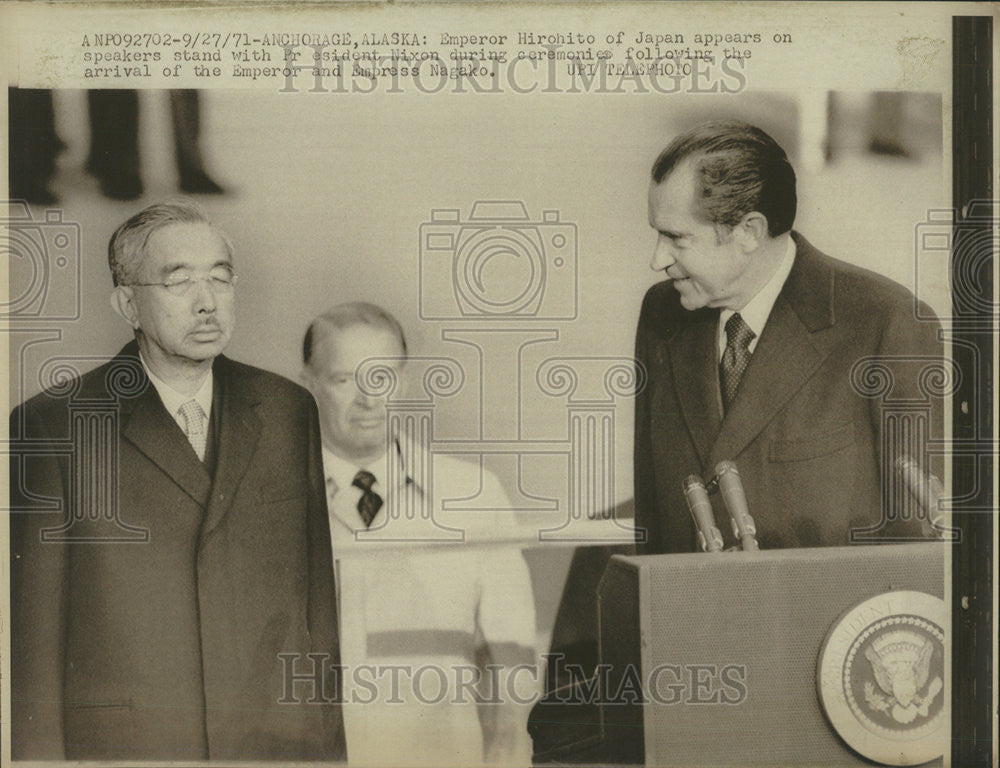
[
  {"x": 750, "y": 344},
  {"x": 171, "y": 581}
]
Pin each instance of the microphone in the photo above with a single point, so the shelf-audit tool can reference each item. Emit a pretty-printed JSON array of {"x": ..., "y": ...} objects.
[
  {"x": 709, "y": 537},
  {"x": 731, "y": 486},
  {"x": 927, "y": 490}
]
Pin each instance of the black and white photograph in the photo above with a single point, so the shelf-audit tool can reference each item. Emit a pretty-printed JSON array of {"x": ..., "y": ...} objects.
[{"x": 518, "y": 384}]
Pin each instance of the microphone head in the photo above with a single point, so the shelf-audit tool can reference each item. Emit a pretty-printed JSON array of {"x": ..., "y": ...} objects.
[
  {"x": 693, "y": 481},
  {"x": 725, "y": 466}
]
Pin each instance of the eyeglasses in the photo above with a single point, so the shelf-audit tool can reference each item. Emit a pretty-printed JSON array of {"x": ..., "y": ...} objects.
[{"x": 182, "y": 283}]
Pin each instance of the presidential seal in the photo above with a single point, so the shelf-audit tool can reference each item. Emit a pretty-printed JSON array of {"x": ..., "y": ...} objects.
[{"x": 881, "y": 678}]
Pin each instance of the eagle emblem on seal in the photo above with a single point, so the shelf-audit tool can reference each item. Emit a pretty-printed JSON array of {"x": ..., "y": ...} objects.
[
  {"x": 901, "y": 663},
  {"x": 880, "y": 677}
]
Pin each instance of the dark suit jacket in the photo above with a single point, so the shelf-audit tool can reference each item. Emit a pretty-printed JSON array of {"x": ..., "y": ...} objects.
[
  {"x": 150, "y": 604},
  {"x": 807, "y": 443}
]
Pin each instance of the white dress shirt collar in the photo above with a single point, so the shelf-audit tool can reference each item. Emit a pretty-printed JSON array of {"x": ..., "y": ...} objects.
[
  {"x": 173, "y": 400},
  {"x": 342, "y": 471},
  {"x": 758, "y": 309},
  {"x": 343, "y": 494},
  {"x": 340, "y": 475}
]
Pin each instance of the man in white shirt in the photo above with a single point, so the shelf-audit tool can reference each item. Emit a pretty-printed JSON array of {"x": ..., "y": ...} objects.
[
  {"x": 750, "y": 343},
  {"x": 426, "y": 628},
  {"x": 164, "y": 568}
]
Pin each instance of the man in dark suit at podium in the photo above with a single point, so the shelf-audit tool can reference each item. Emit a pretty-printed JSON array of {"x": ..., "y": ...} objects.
[
  {"x": 170, "y": 553},
  {"x": 749, "y": 345}
]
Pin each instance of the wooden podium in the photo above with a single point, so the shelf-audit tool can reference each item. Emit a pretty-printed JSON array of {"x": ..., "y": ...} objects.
[{"x": 744, "y": 657}]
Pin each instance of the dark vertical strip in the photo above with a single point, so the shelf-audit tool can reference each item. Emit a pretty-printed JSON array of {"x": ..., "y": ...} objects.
[{"x": 973, "y": 311}]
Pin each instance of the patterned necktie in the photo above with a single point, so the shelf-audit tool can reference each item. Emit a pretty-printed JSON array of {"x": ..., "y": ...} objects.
[
  {"x": 370, "y": 502},
  {"x": 736, "y": 357},
  {"x": 194, "y": 420}
]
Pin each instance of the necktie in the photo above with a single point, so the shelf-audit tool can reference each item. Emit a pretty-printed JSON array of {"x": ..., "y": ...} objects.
[
  {"x": 370, "y": 502},
  {"x": 194, "y": 420},
  {"x": 735, "y": 358}
]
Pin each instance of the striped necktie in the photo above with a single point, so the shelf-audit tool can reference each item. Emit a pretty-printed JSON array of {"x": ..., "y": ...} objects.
[{"x": 735, "y": 359}]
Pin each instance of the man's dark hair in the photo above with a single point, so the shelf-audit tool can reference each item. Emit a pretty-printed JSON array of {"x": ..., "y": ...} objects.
[
  {"x": 350, "y": 315},
  {"x": 738, "y": 169},
  {"x": 127, "y": 247}
]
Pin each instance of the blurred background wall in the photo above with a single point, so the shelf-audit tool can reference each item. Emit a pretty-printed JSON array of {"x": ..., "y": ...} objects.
[{"x": 325, "y": 196}]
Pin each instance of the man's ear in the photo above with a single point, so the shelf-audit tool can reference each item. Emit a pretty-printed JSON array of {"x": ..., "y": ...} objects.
[
  {"x": 751, "y": 232},
  {"x": 123, "y": 302}
]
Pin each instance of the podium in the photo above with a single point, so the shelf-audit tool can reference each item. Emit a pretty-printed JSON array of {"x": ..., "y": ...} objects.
[{"x": 830, "y": 656}]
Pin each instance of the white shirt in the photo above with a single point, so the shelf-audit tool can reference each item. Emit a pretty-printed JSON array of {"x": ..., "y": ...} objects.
[
  {"x": 410, "y": 604},
  {"x": 345, "y": 512},
  {"x": 173, "y": 400},
  {"x": 758, "y": 309}
]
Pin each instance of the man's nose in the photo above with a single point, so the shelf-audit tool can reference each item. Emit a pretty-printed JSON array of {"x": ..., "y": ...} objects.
[
  {"x": 204, "y": 296},
  {"x": 663, "y": 255}
]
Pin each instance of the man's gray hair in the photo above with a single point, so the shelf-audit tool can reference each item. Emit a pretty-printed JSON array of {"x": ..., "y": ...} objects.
[
  {"x": 350, "y": 315},
  {"x": 127, "y": 247}
]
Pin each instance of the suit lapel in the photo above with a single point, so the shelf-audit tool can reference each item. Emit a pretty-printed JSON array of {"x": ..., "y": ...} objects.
[
  {"x": 784, "y": 360},
  {"x": 786, "y": 356},
  {"x": 696, "y": 378},
  {"x": 239, "y": 433},
  {"x": 146, "y": 424}
]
